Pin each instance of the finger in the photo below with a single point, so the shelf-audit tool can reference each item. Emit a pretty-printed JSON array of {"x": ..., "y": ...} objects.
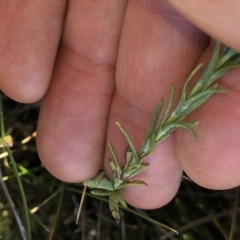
[
  {"x": 217, "y": 18},
  {"x": 212, "y": 161},
  {"x": 158, "y": 47},
  {"x": 29, "y": 33},
  {"x": 74, "y": 112}
]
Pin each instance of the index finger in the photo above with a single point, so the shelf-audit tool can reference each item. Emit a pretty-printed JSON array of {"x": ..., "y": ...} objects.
[
  {"x": 30, "y": 32},
  {"x": 217, "y": 18}
]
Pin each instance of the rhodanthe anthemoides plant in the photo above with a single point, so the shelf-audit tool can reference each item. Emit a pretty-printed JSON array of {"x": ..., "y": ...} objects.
[{"x": 161, "y": 126}]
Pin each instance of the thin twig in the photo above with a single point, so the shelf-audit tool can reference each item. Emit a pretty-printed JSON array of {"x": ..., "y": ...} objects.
[
  {"x": 99, "y": 220},
  {"x": 199, "y": 222},
  {"x": 220, "y": 228},
  {"x": 43, "y": 203},
  {"x": 160, "y": 229},
  {"x": 83, "y": 220},
  {"x": 81, "y": 203},
  {"x": 13, "y": 208},
  {"x": 234, "y": 216}
]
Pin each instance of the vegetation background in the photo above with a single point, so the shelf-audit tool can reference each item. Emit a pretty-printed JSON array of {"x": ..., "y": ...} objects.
[{"x": 196, "y": 213}]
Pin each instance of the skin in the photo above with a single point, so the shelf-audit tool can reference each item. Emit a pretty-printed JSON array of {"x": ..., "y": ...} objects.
[{"x": 96, "y": 62}]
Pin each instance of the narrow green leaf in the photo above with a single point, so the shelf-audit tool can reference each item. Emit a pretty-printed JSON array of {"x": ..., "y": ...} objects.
[
  {"x": 103, "y": 184},
  {"x": 220, "y": 72},
  {"x": 184, "y": 89},
  {"x": 202, "y": 83},
  {"x": 134, "y": 152},
  {"x": 165, "y": 115},
  {"x": 147, "y": 146},
  {"x": 115, "y": 165},
  {"x": 134, "y": 170},
  {"x": 154, "y": 120},
  {"x": 122, "y": 201},
  {"x": 101, "y": 175},
  {"x": 100, "y": 192},
  {"x": 113, "y": 205},
  {"x": 189, "y": 126},
  {"x": 133, "y": 183},
  {"x": 228, "y": 54}
]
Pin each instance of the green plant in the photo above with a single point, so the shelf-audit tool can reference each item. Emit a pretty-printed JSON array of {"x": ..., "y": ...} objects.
[{"x": 161, "y": 126}]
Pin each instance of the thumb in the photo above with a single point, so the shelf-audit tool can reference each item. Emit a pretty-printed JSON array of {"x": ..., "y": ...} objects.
[{"x": 217, "y": 18}]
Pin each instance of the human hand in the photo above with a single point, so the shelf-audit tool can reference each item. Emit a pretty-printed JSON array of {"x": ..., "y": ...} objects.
[{"x": 114, "y": 62}]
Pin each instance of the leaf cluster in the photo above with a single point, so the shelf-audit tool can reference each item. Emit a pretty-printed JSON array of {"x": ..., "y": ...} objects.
[{"x": 160, "y": 128}]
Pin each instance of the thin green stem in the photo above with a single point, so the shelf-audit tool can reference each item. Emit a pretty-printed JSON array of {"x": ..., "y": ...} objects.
[
  {"x": 22, "y": 193},
  {"x": 59, "y": 207},
  {"x": 21, "y": 189},
  {"x": 71, "y": 189}
]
